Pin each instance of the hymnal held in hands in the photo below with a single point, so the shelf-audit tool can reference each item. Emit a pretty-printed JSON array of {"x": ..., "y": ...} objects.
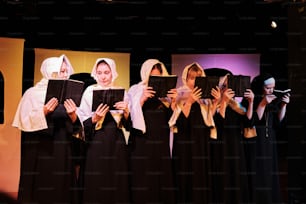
[
  {"x": 239, "y": 84},
  {"x": 281, "y": 93},
  {"x": 206, "y": 84},
  {"x": 107, "y": 96},
  {"x": 162, "y": 84},
  {"x": 63, "y": 89}
]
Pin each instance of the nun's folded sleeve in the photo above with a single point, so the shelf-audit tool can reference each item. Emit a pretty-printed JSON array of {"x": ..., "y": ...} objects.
[
  {"x": 30, "y": 116},
  {"x": 137, "y": 118}
]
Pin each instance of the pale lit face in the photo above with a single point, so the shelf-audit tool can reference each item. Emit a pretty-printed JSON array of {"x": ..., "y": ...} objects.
[
  {"x": 155, "y": 72},
  {"x": 63, "y": 73},
  {"x": 269, "y": 88},
  {"x": 191, "y": 76},
  {"x": 223, "y": 86},
  {"x": 104, "y": 74}
]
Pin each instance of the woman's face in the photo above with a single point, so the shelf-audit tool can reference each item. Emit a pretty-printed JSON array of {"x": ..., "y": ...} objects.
[
  {"x": 63, "y": 73},
  {"x": 104, "y": 74},
  {"x": 224, "y": 85},
  {"x": 191, "y": 76},
  {"x": 268, "y": 89},
  {"x": 155, "y": 72}
]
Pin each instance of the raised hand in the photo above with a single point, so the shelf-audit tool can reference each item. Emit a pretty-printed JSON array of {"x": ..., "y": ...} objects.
[
  {"x": 227, "y": 95},
  {"x": 148, "y": 92},
  {"x": 286, "y": 98},
  {"x": 194, "y": 95},
  {"x": 268, "y": 98},
  {"x": 216, "y": 93},
  {"x": 70, "y": 106},
  {"x": 50, "y": 106},
  {"x": 249, "y": 95},
  {"x": 70, "y": 109},
  {"x": 122, "y": 105},
  {"x": 100, "y": 112},
  {"x": 172, "y": 94}
]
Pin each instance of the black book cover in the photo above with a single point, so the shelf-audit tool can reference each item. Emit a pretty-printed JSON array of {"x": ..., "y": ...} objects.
[
  {"x": 63, "y": 89},
  {"x": 107, "y": 96},
  {"x": 280, "y": 93},
  {"x": 206, "y": 84},
  {"x": 162, "y": 84},
  {"x": 239, "y": 84}
]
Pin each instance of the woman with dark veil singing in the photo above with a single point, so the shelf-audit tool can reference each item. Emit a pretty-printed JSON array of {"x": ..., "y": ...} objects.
[{"x": 269, "y": 116}]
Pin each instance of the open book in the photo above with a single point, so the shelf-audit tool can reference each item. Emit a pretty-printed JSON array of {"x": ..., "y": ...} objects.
[
  {"x": 107, "y": 96},
  {"x": 162, "y": 84},
  {"x": 206, "y": 84},
  {"x": 280, "y": 93},
  {"x": 63, "y": 89},
  {"x": 239, "y": 84}
]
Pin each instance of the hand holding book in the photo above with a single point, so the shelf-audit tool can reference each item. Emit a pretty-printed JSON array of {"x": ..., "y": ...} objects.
[
  {"x": 148, "y": 92},
  {"x": 71, "y": 108},
  {"x": 239, "y": 84},
  {"x": 162, "y": 84},
  {"x": 100, "y": 113},
  {"x": 107, "y": 96},
  {"x": 206, "y": 84},
  {"x": 63, "y": 89},
  {"x": 282, "y": 95},
  {"x": 50, "y": 105}
]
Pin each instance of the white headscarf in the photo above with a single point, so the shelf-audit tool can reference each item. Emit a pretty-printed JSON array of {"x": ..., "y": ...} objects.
[
  {"x": 85, "y": 109},
  {"x": 206, "y": 108},
  {"x": 53, "y": 64},
  {"x": 147, "y": 67},
  {"x": 29, "y": 116},
  {"x": 111, "y": 64},
  {"x": 186, "y": 69}
]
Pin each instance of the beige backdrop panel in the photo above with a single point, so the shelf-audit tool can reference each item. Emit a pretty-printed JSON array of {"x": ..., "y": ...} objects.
[
  {"x": 84, "y": 62},
  {"x": 11, "y": 63}
]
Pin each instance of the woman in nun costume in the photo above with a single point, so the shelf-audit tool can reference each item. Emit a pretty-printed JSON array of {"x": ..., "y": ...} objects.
[
  {"x": 150, "y": 161},
  {"x": 47, "y": 174},
  {"x": 106, "y": 165},
  {"x": 193, "y": 126},
  {"x": 269, "y": 114}
]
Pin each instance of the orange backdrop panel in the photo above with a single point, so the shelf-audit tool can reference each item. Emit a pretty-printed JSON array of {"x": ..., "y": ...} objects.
[
  {"x": 11, "y": 66},
  {"x": 11, "y": 63}
]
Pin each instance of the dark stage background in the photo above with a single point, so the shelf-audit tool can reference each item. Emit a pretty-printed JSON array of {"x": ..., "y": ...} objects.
[{"x": 157, "y": 29}]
